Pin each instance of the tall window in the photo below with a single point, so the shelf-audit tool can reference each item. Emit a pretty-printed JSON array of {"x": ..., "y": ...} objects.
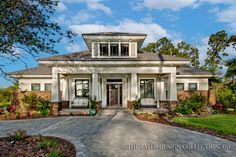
[
  {"x": 114, "y": 49},
  {"x": 82, "y": 88},
  {"x": 47, "y": 87},
  {"x": 103, "y": 49},
  {"x": 35, "y": 87},
  {"x": 180, "y": 86},
  {"x": 147, "y": 88},
  {"x": 192, "y": 86},
  {"x": 124, "y": 49}
]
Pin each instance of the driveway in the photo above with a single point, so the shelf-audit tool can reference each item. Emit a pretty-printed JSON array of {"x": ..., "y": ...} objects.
[{"x": 119, "y": 133}]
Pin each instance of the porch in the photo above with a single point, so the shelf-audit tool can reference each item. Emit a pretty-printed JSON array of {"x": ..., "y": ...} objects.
[{"x": 112, "y": 87}]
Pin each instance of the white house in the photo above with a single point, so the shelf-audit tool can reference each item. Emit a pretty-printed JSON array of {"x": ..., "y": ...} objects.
[{"x": 114, "y": 70}]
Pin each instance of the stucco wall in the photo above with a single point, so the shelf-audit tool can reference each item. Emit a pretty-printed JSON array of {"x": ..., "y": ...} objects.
[{"x": 202, "y": 83}]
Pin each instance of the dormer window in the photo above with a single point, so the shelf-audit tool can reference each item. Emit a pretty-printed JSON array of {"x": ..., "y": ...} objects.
[
  {"x": 103, "y": 49},
  {"x": 114, "y": 49},
  {"x": 124, "y": 49}
]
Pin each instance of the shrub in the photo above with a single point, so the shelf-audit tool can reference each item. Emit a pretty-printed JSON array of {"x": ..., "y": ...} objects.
[
  {"x": 226, "y": 97},
  {"x": 193, "y": 104},
  {"x": 43, "y": 106},
  {"x": 55, "y": 153},
  {"x": 31, "y": 100},
  {"x": 11, "y": 108},
  {"x": 218, "y": 106},
  {"x": 5, "y": 104},
  {"x": 93, "y": 103},
  {"x": 18, "y": 135},
  {"x": 137, "y": 104},
  {"x": 48, "y": 143}
]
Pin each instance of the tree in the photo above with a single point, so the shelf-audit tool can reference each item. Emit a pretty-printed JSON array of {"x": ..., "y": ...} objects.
[
  {"x": 151, "y": 47},
  {"x": 184, "y": 49},
  {"x": 26, "y": 25},
  {"x": 231, "y": 69},
  {"x": 165, "y": 46},
  {"x": 194, "y": 57},
  {"x": 217, "y": 44}
]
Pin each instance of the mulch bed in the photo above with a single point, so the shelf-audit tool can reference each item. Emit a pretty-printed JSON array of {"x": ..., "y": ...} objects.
[
  {"x": 29, "y": 147},
  {"x": 162, "y": 120}
]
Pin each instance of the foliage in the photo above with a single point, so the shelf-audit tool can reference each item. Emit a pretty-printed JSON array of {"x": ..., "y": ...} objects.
[
  {"x": 193, "y": 104},
  {"x": 183, "y": 49},
  {"x": 48, "y": 143},
  {"x": 5, "y": 104},
  {"x": 11, "y": 108},
  {"x": 27, "y": 26},
  {"x": 93, "y": 103},
  {"x": 55, "y": 153},
  {"x": 217, "y": 44},
  {"x": 43, "y": 106},
  {"x": 137, "y": 104},
  {"x": 226, "y": 97},
  {"x": 231, "y": 70},
  {"x": 221, "y": 123},
  {"x": 18, "y": 135},
  {"x": 35, "y": 102},
  {"x": 218, "y": 106}
]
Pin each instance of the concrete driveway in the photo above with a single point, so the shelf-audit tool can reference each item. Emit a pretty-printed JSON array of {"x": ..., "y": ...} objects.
[{"x": 118, "y": 133}]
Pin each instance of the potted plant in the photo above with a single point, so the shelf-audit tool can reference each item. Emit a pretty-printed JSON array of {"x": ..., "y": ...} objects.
[{"x": 92, "y": 106}]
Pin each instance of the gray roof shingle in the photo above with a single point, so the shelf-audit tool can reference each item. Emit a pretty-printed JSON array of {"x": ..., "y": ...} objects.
[
  {"x": 86, "y": 56},
  {"x": 115, "y": 34},
  {"x": 186, "y": 70},
  {"x": 39, "y": 70}
]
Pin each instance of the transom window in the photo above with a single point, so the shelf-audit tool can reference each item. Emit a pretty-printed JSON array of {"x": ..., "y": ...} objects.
[
  {"x": 47, "y": 87},
  {"x": 114, "y": 49},
  {"x": 180, "y": 86},
  {"x": 147, "y": 88},
  {"x": 82, "y": 88},
  {"x": 192, "y": 86},
  {"x": 104, "y": 49},
  {"x": 124, "y": 49},
  {"x": 35, "y": 87}
]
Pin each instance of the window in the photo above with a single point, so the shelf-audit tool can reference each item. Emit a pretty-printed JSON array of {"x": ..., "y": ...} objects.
[
  {"x": 180, "y": 86},
  {"x": 124, "y": 49},
  {"x": 114, "y": 49},
  {"x": 147, "y": 88},
  {"x": 82, "y": 88},
  {"x": 192, "y": 86},
  {"x": 47, "y": 87},
  {"x": 35, "y": 87},
  {"x": 103, "y": 49}
]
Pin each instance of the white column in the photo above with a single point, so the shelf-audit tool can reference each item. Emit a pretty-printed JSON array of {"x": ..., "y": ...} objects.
[
  {"x": 66, "y": 89},
  {"x": 119, "y": 49},
  {"x": 172, "y": 86},
  {"x": 95, "y": 85},
  {"x": 134, "y": 86},
  {"x": 56, "y": 96}
]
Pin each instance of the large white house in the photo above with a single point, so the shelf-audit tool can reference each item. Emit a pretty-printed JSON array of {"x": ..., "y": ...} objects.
[{"x": 113, "y": 70}]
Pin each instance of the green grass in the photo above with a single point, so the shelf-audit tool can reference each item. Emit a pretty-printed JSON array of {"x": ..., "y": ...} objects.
[{"x": 224, "y": 124}]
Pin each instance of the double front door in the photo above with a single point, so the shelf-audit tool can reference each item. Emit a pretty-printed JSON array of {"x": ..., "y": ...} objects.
[{"x": 114, "y": 94}]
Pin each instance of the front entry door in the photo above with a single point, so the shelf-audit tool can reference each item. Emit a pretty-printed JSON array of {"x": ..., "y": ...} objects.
[{"x": 114, "y": 94}]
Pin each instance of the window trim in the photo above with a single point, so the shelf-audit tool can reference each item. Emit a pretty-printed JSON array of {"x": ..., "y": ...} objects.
[
  {"x": 177, "y": 86},
  {"x": 139, "y": 85},
  {"x": 31, "y": 85},
  {"x": 100, "y": 54},
  {"x": 45, "y": 86},
  {"x": 194, "y": 89},
  {"x": 89, "y": 86}
]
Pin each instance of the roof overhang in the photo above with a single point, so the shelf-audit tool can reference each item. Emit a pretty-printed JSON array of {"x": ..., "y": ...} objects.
[
  {"x": 113, "y": 63},
  {"x": 197, "y": 76}
]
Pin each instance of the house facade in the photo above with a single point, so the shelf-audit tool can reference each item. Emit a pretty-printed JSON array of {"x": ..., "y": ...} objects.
[{"x": 114, "y": 71}]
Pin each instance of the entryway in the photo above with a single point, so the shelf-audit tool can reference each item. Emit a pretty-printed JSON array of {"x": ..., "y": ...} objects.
[{"x": 114, "y": 94}]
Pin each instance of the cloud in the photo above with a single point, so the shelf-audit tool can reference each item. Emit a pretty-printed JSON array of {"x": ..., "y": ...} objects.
[
  {"x": 175, "y": 5},
  {"x": 61, "y": 7},
  {"x": 153, "y": 30},
  {"x": 82, "y": 16},
  {"x": 92, "y": 5},
  {"x": 73, "y": 47}
]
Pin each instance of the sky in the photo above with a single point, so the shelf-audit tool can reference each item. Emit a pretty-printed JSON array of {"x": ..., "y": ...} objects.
[{"x": 192, "y": 21}]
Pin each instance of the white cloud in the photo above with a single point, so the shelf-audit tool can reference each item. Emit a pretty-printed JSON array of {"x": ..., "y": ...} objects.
[
  {"x": 72, "y": 47},
  {"x": 93, "y": 5},
  {"x": 167, "y": 4},
  {"x": 153, "y": 30},
  {"x": 82, "y": 16},
  {"x": 61, "y": 7},
  {"x": 148, "y": 18}
]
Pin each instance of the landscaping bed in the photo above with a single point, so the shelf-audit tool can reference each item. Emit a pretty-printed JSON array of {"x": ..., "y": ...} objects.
[{"x": 19, "y": 144}]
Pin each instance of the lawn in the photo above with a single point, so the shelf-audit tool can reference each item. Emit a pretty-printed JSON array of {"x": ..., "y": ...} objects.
[{"x": 224, "y": 124}]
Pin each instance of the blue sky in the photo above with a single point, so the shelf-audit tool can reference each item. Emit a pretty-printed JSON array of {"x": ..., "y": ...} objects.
[{"x": 190, "y": 20}]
